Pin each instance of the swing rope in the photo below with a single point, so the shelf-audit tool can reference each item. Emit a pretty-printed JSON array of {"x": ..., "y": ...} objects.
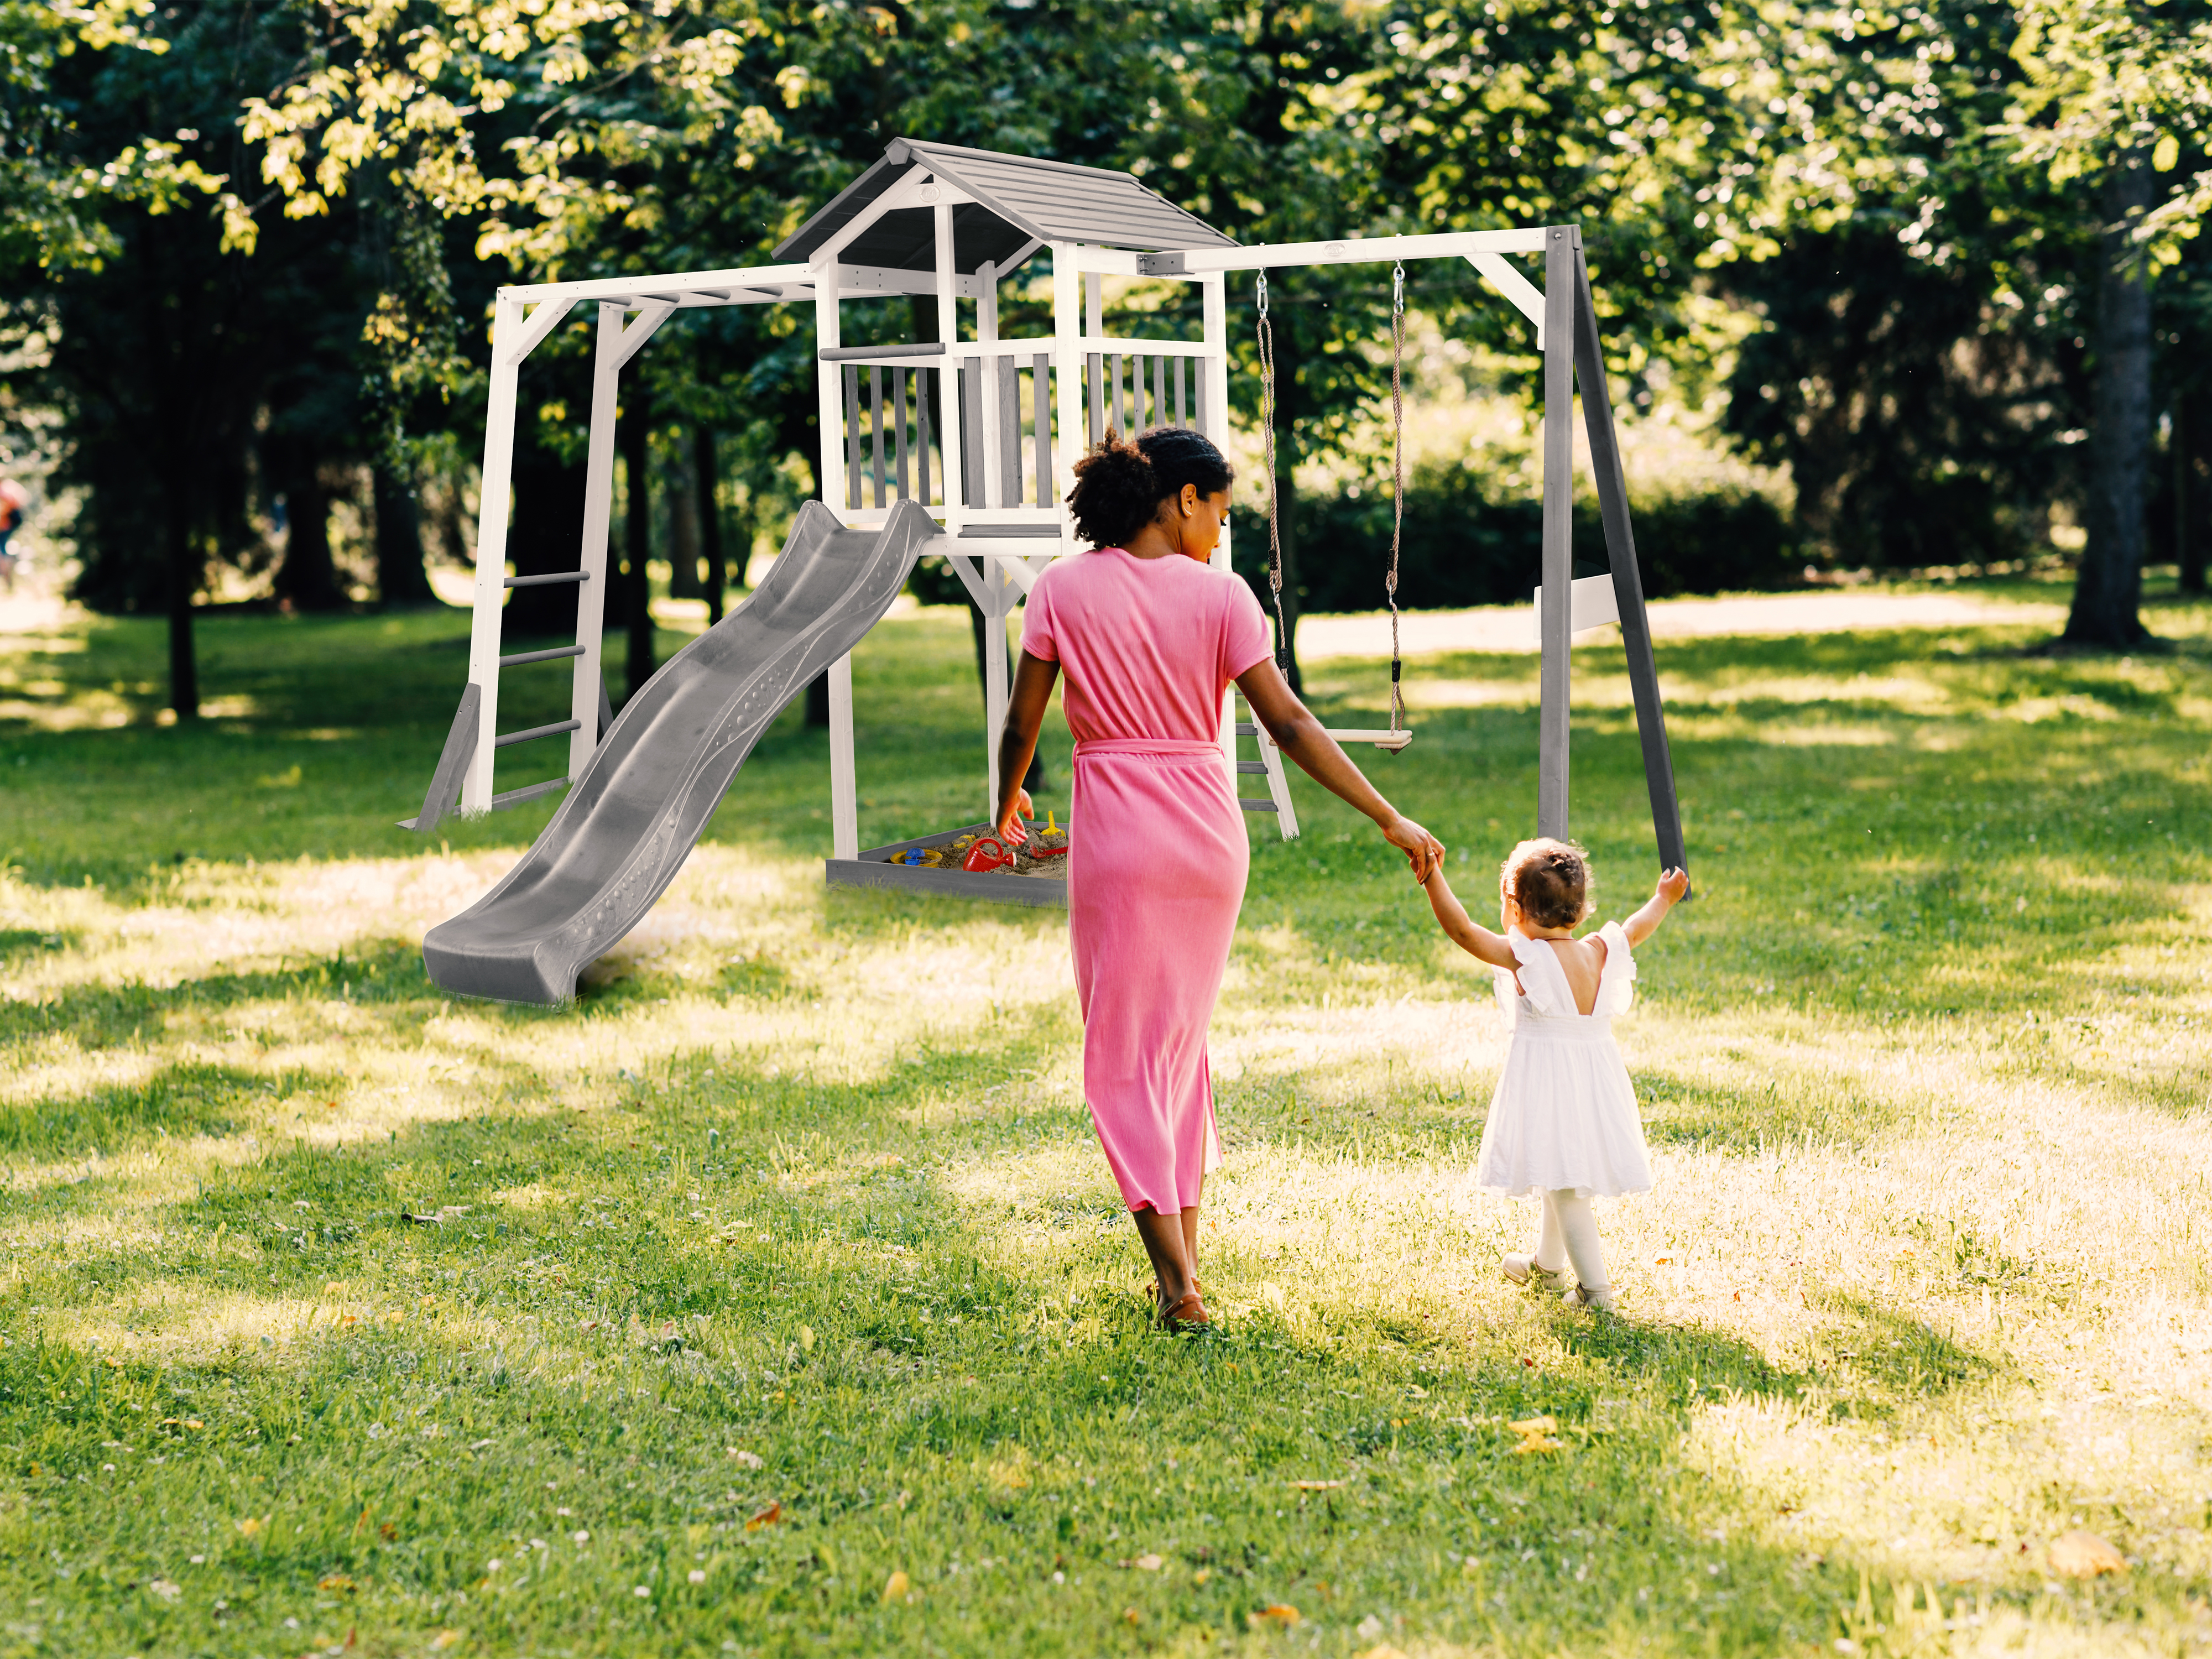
[
  {"x": 1397, "y": 736},
  {"x": 1267, "y": 340},
  {"x": 1397, "y": 479}
]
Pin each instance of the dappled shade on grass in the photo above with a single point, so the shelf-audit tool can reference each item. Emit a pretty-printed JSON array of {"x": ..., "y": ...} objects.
[{"x": 784, "y": 1268}]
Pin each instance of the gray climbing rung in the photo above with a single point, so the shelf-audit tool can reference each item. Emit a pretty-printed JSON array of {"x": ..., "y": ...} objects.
[
  {"x": 547, "y": 581},
  {"x": 522, "y": 656},
  {"x": 536, "y": 731},
  {"x": 1246, "y": 729},
  {"x": 528, "y": 792},
  {"x": 1251, "y": 805},
  {"x": 1251, "y": 766}
]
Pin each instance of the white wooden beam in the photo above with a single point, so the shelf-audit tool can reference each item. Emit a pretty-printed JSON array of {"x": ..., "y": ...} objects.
[
  {"x": 1526, "y": 296},
  {"x": 543, "y": 321},
  {"x": 1448, "y": 245},
  {"x": 684, "y": 282},
  {"x": 651, "y": 316}
]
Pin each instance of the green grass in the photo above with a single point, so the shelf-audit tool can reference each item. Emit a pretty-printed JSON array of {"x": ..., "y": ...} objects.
[{"x": 338, "y": 1312}]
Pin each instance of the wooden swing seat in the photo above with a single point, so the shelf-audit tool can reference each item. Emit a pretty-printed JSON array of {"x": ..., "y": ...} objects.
[{"x": 1392, "y": 741}]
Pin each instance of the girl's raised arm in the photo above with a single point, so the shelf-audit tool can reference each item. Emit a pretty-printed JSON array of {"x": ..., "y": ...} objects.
[
  {"x": 1646, "y": 922},
  {"x": 1470, "y": 935}
]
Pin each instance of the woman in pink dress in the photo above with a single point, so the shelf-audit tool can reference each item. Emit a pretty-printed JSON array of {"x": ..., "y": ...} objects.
[{"x": 1150, "y": 636}]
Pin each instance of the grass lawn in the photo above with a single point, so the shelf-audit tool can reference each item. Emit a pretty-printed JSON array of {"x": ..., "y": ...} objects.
[{"x": 775, "y": 1298}]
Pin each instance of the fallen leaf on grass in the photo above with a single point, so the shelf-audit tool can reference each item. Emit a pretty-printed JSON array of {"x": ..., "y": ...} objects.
[
  {"x": 2084, "y": 1555},
  {"x": 445, "y": 1638},
  {"x": 767, "y": 1517},
  {"x": 1315, "y": 1485},
  {"x": 336, "y": 1581},
  {"x": 1143, "y": 1562},
  {"x": 1281, "y": 1613},
  {"x": 897, "y": 1586},
  {"x": 1535, "y": 1425},
  {"x": 252, "y": 1525},
  {"x": 750, "y": 1459},
  {"x": 167, "y": 1589}
]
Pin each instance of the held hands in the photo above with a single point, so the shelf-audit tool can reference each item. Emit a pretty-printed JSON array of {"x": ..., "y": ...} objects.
[
  {"x": 1010, "y": 827},
  {"x": 1424, "y": 852}
]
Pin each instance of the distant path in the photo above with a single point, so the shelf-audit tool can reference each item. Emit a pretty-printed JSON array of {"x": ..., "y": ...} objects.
[{"x": 1513, "y": 627}]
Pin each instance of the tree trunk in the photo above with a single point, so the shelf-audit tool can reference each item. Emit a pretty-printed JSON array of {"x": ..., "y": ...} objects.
[
  {"x": 637, "y": 540},
  {"x": 307, "y": 580},
  {"x": 184, "y": 580},
  {"x": 2108, "y": 591},
  {"x": 1287, "y": 492},
  {"x": 2188, "y": 511},
  {"x": 707, "y": 475},
  {"x": 681, "y": 491},
  {"x": 400, "y": 578}
]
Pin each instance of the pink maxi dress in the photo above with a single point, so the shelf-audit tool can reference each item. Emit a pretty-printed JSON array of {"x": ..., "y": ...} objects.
[{"x": 1157, "y": 858}]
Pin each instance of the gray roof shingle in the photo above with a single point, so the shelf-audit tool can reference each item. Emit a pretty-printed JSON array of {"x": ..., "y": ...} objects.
[{"x": 1018, "y": 199}]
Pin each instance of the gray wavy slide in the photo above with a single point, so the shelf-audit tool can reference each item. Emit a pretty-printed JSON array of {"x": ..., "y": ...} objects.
[{"x": 632, "y": 818}]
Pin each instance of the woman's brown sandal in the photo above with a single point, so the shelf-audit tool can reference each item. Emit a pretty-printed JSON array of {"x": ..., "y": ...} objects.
[{"x": 1188, "y": 1314}]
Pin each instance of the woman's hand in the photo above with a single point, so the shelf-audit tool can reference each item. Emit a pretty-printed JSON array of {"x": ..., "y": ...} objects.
[
  {"x": 1422, "y": 851},
  {"x": 1010, "y": 826}
]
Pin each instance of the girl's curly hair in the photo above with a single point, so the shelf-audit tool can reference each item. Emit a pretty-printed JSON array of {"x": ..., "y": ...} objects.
[
  {"x": 1550, "y": 880},
  {"x": 1120, "y": 484}
]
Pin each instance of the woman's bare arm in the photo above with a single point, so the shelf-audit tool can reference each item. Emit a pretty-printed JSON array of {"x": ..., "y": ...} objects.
[
  {"x": 1034, "y": 679},
  {"x": 1470, "y": 935},
  {"x": 1299, "y": 735},
  {"x": 1646, "y": 922}
]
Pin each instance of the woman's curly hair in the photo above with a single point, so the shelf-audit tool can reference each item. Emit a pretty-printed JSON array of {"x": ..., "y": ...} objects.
[
  {"x": 1120, "y": 484},
  {"x": 1550, "y": 880}
]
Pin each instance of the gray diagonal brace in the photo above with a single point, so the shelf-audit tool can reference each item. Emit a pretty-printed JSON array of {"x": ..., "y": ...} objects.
[
  {"x": 1627, "y": 578},
  {"x": 444, "y": 791},
  {"x": 1555, "y": 678}
]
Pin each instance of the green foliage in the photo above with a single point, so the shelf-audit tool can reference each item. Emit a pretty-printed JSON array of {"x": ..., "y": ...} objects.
[{"x": 1470, "y": 539}]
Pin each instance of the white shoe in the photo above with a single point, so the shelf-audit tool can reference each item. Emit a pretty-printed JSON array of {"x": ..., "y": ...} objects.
[
  {"x": 1523, "y": 1268},
  {"x": 1583, "y": 1296}
]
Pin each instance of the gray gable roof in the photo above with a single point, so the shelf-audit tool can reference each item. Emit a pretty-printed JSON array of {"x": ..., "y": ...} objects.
[{"x": 1019, "y": 200}]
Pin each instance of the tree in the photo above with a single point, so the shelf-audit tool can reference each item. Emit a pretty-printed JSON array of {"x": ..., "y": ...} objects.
[{"x": 2111, "y": 90}]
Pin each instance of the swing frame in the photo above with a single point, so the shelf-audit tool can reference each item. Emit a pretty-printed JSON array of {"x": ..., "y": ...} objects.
[{"x": 1565, "y": 318}]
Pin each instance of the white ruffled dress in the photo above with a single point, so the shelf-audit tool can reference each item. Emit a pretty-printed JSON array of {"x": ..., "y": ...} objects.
[{"x": 1565, "y": 1113}]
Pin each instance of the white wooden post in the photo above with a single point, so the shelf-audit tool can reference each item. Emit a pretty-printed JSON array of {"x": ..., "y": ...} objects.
[
  {"x": 948, "y": 400},
  {"x": 844, "y": 793},
  {"x": 1001, "y": 590},
  {"x": 844, "y": 796},
  {"x": 598, "y": 507},
  {"x": 1213, "y": 301},
  {"x": 1094, "y": 304},
  {"x": 1067, "y": 376},
  {"x": 492, "y": 507},
  {"x": 987, "y": 334}
]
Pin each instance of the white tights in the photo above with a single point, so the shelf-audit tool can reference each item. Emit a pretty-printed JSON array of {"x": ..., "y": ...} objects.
[{"x": 1570, "y": 1234}]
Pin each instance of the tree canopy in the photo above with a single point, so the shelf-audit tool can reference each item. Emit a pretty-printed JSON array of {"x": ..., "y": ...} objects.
[{"x": 1939, "y": 260}]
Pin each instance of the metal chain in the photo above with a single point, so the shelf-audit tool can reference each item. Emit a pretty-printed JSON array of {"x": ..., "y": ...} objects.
[
  {"x": 1397, "y": 477},
  {"x": 1267, "y": 339}
]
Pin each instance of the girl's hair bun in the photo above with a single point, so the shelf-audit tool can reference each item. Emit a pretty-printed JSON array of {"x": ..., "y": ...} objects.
[
  {"x": 1549, "y": 880},
  {"x": 1120, "y": 484}
]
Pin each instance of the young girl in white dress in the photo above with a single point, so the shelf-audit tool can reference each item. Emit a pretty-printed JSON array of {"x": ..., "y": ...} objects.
[{"x": 1563, "y": 1123}]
